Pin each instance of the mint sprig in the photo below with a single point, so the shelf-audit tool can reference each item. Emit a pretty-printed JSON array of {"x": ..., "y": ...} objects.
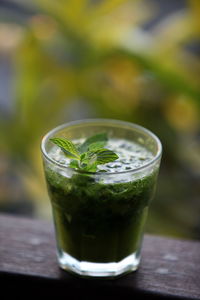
[{"x": 89, "y": 154}]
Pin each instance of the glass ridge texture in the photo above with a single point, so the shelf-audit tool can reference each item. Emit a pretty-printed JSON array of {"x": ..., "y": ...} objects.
[{"x": 99, "y": 217}]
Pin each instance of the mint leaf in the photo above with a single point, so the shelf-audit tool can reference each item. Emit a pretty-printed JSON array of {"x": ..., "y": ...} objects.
[
  {"x": 99, "y": 157},
  {"x": 90, "y": 168},
  {"x": 74, "y": 164},
  {"x": 100, "y": 137},
  {"x": 83, "y": 155},
  {"x": 67, "y": 147},
  {"x": 96, "y": 146},
  {"x": 103, "y": 156}
]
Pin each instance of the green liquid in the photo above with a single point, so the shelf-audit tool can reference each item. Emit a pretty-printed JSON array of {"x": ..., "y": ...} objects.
[{"x": 99, "y": 222}]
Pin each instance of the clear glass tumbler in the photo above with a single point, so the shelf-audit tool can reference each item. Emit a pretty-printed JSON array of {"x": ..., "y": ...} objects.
[{"x": 99, "y": 217}]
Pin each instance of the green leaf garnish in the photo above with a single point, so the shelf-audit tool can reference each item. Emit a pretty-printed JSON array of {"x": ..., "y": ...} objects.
[
  {"x": 67, "y": 147},
  {"x": 74, "y": 164},
  {"x": 89, "y": 155},
  {"x": 96, "y": 146},
  {"x": 100, "y": 156},
  {"x": 100, "y": 137}
]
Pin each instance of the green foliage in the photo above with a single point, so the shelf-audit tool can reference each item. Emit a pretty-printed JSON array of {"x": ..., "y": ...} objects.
[
  {"x": 96, "y": 141},
  {"x": 67, "y": 147},
  {"x": 89, "y": 154}
]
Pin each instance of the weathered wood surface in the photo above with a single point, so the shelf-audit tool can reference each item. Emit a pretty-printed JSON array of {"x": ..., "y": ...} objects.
[{"x": 170, "y": 269}]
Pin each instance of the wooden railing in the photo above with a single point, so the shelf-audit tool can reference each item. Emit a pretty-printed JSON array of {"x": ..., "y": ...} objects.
[{"x": 170, "y": 268}]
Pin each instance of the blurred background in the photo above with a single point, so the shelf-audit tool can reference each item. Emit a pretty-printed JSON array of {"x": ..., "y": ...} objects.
[{"x": 136, "y": 60}]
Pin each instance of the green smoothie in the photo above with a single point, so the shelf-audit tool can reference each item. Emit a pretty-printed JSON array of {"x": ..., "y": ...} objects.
[{"x": 100, "y": 217}]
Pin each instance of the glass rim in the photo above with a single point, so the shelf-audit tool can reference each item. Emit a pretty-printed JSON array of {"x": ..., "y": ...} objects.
[{"x": 129, "y": 125}]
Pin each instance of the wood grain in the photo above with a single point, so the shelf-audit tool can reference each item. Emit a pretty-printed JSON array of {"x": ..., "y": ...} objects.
[{"x": 170, "y": 269}]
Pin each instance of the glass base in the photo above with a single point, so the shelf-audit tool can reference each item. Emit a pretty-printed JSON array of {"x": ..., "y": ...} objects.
[{"x": 90, "y": 269}]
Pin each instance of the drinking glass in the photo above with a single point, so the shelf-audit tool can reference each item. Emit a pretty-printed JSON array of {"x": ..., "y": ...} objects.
[{"x": 99, "y": 217}]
